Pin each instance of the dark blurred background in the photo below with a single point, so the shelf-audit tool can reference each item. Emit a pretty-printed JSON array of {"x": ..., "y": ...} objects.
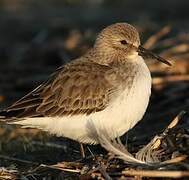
[{"x": 38, "y": 36}]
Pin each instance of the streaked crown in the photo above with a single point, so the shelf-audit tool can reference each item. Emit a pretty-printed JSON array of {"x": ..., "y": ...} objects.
[{"x": 118, "y": 37}]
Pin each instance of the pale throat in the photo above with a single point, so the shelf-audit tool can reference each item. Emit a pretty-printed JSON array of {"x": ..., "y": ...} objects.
[{"x": 133, "y": 56}]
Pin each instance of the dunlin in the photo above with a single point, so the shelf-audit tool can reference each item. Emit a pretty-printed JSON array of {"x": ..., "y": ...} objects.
[{"x": 109, "y": 86}]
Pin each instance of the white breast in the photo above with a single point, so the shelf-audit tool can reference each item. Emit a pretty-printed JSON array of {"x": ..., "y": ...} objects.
[
  {"x": 129, "y": 107},
  {"x": 115, "y": 120}
]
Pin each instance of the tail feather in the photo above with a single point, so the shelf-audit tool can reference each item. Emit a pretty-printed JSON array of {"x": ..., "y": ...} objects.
[
  {"x": 16, "y": 115},
  {"x": 6, "y": 118},
  {"x": 26, "y": 107},
  {"x": 3, "y": 115},
  {"x": 25, "y": 104}
]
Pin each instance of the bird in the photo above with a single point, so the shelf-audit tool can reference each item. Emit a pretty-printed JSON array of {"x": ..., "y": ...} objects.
[{"x": 109, "y": 87}]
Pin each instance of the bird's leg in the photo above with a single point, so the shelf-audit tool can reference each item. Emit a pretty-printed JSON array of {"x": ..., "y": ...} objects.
[{"x": 82, "y": 150}]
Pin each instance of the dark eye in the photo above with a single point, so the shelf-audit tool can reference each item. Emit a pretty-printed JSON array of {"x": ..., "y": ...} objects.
[{"x": 123, "y": 42}]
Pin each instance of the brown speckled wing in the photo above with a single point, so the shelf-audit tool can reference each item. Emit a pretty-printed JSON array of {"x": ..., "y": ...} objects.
[{"x": 77, "y": 88}]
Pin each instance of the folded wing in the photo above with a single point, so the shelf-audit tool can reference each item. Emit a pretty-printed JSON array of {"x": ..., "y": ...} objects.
[{"x": 76, "y": 88}]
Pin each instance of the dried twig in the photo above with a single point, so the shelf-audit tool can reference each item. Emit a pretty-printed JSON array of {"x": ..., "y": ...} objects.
[
  {"x": 18, "y": 160},
  {"x": 154, "y": 38},
  {"x": 102, "y": 169},
  {"x": 151, "y": 152},
  {"x": 154, "y": 173},
  {"x": 175, "y": 50},
  {"x": 48, "y": 144},
  {"x": 170, "y": 78},
  {"x": 6, "y": 174},
  {"x": 172, "y": 41},
  {"x": 73, "y": 167},
  {"x": 175, "y": 160}
]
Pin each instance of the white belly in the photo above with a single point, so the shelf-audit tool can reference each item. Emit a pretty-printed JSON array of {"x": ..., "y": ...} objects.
[{"x": 120, "y": 116}]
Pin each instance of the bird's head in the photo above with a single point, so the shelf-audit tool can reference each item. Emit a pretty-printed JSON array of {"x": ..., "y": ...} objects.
[{"x": 123, "y": 39}]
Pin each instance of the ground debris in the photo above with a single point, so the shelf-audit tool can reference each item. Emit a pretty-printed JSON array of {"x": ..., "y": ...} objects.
[{"x": 9, "y": 173}]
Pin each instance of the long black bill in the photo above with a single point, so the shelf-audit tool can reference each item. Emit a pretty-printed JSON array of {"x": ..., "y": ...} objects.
[{"x": 148, "y": 54}]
